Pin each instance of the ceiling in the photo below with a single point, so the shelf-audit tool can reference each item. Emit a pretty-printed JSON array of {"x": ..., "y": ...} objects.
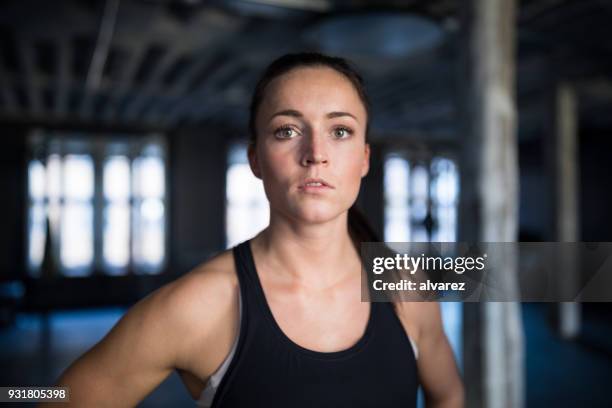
[{"x": 165, "y": 64}]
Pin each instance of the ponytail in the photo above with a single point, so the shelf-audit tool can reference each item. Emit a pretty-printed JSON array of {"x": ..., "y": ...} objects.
[{"x": 359, "y": 227}]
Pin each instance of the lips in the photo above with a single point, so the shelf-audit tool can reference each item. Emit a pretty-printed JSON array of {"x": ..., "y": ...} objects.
[{"x": 315, "y": 183}]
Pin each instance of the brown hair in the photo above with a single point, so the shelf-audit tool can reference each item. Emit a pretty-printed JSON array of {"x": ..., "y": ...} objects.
[{"x": 359, "y": 228}]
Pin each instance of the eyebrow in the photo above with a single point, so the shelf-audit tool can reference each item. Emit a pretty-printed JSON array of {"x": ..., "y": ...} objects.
[{"x": 297, "y": 114}]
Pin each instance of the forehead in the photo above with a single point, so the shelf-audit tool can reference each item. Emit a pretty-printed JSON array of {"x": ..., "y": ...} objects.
[{"x": 310, "y": 88}]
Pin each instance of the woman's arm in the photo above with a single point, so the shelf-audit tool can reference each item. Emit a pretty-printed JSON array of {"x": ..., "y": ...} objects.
[
  {"x": 158, "y": 334},
  {"x": 437, "y": 368},
  {"x": 438, "y": 372}
]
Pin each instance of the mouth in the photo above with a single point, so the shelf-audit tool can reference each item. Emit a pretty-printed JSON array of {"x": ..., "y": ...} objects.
[{"x": 315, "y": 184}]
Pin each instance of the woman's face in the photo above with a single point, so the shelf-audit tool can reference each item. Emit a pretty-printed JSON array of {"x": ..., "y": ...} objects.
[{"x": 311, "y": 152}]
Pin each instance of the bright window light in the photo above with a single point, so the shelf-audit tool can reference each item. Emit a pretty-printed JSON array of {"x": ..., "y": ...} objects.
[
  {"x": 76, "y": 243},
  {"x": 247, "y": 208},
  {"x": 397, "y": 211},
  {"x": 36, "y": 174},
  {"x": 445, "y": 191},
  {"x": 117, "y": 178},
  {"x": 116, "y": 238},
  {"x": 76, "y": 225},
  {"x": 148, "y": 213}
]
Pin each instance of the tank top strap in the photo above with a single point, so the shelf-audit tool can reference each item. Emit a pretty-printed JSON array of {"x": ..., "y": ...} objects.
[
  {"x": 245, "y": 267},
  {"x": 255, "y": 305},
  {"x": 250, "y": 286}
]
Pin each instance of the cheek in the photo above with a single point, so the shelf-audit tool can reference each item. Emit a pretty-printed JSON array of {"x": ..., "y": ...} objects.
[
  {"x": 349, "y": 170},
  {"x": 275, "y": 165},
  {"x": 353, "y": 165}
]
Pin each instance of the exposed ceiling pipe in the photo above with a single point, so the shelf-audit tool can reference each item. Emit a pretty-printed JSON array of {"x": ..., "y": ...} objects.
[
  {"x": 308, "y": 5},
  {"x": 105, "y": 35}
]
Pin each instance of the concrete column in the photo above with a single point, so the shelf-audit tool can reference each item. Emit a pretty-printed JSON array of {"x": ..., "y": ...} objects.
[
  {"x": 561, "y": 149},
  {"x": 198, "y": 165},
  {"x": 98, "y": 154},
  {"x": 493, "y": 338}
]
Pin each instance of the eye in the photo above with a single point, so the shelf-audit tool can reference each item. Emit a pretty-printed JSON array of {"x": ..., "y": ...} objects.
[
  {"x": 285, "y": 132},
  {"x": 342, "y": 132}
]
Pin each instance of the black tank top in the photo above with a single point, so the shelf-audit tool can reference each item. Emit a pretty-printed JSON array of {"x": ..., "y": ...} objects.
[{"x": 270, "y": 370}]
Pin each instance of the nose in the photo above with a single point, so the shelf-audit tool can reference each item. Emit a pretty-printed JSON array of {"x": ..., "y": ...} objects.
[{"x": 314, "y": 150}]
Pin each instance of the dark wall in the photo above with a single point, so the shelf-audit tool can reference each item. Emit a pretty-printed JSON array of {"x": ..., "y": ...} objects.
[
  {"x": 595, "y": 194},
  {"x": 371, "y": 194},
  {"x": 12, "y": 205},
  {"x": 596, "y": 186},
  {"x": 198, "y": 160},
  {"x": 533, "y": 195}
]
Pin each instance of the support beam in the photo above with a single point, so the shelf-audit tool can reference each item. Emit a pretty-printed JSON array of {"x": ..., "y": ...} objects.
[
  {"x": 123, "y": 86},
  {"x": 493, "y": 338},
  {"x": 99, "y": 152},
  {"x": 153, "y": 83},
  {"x": 64, "y": 82},
  {"x": 99, "y": 57},
  {"x": 28, "y": 63},
  {"x": 7, "y": 93},
  {"x": 566, "y": 163},
  {"x": 179, "y": 91},
  {"x": 195, "y": 101},
  {"x": 105, "y": 37},
  {"x": 215, "y": 91},
  {"x": 561, "y": 149}
]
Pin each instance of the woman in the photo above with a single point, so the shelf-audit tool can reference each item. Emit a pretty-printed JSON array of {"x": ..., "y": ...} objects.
[{"x": 278, "y": 321}]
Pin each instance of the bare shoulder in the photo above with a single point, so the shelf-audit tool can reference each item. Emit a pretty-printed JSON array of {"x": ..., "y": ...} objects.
[
  {"x": 205, "y": 289},
  {"x": 204, "y": 305},
  {"x": 211, "y": 285}
]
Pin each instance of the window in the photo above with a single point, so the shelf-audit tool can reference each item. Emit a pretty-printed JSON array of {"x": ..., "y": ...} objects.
[
  {"x": 420, "y": 199},
  {"x": 397, "y": 210},
  {"x": 419, "y": 203},
  {"x": 117, "y": 191},
  {"x": 96, "y": 204},
  {"x": 247, "y": 208},
  {"x": 445, "y": 190},
  {"x": 148, "y": 209}
]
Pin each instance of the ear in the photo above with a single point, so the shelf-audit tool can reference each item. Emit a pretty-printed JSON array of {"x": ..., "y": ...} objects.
[
  {"x": 254, "y": 160},
  {"x": 365, "y": 167}
]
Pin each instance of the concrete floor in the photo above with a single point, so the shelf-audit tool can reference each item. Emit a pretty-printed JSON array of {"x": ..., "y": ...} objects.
[
  {"x": 34, "y": 352},
  {"x": 569, "y": 373}
]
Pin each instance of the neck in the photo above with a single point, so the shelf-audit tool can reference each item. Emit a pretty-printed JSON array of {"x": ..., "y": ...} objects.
[{"x": 313, "y": 255}]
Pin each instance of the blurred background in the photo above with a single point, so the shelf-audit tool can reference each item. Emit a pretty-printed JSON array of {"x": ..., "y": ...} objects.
[{"x": 124, "y": 128}]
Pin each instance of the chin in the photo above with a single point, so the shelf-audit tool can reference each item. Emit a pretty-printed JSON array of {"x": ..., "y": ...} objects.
[{"x": 318, "y": 213}]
